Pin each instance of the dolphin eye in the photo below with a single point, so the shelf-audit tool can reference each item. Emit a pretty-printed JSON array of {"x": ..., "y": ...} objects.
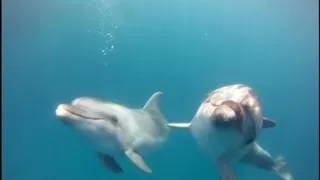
[{"x": 114, "y": 120}]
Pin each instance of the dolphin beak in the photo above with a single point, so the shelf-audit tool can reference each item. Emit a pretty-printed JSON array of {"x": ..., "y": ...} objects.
[
  {"x": 60, "y": 111},
  {"x": 67, "y": 112},
  {"x": 63, "y": 114}
]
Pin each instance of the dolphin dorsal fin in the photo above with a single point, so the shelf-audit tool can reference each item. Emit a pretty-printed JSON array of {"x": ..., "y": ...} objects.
[{"x": 153, "y": 102}]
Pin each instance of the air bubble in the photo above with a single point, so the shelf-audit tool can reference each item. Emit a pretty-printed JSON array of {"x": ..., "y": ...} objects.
[{"x": 106, "y": 12}]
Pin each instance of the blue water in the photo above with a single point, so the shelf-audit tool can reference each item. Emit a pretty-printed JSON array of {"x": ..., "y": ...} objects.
[{"x": 121, "y": 50}]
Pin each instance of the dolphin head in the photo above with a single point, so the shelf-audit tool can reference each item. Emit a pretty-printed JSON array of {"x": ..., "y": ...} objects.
[
  {"x": 86, "y": 110},
  {"x": 93, "y": 117}
]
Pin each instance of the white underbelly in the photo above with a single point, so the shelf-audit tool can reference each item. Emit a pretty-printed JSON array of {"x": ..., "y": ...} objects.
[
  {"x": 151, "y": 147},
  {"x": 107, "y": 148},
  {"x": 104, "y": 143}
]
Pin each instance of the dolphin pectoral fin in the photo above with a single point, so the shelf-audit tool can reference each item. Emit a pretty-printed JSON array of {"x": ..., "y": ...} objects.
[
  {"x": 260, "y": 158},
  {"x": 138, "y": 161},
  {"x": 179, "y": 125},
  {"x": 110, "y": 163},
  {"x": 268, "y": 123}
]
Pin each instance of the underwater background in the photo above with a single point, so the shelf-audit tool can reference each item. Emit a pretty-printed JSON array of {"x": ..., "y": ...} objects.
[{"x": 125, "y": 50}]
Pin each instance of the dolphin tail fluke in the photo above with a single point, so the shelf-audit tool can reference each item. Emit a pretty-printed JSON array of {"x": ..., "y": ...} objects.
[
  {"x": 138, "y": 161},
  {"x": 179, "y": 125}
]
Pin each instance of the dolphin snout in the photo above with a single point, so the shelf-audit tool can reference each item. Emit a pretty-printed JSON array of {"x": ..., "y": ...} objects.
[
  {"x": 60, "y": 111},
  {"x": 63, "y": 114}
]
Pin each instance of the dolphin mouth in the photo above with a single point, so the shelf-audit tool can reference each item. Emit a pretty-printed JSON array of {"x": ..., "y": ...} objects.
[{"x": 64, "y": 109}]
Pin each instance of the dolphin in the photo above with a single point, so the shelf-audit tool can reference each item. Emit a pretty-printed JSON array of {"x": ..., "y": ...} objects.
[
  {"x": 115, "y": 130},
  {"x": 227, "y": 126}
]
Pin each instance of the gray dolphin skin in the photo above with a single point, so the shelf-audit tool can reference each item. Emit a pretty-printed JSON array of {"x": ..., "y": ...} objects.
[
  {"x": 227, "y": 125},
  {"x": 115, "y": 130}
]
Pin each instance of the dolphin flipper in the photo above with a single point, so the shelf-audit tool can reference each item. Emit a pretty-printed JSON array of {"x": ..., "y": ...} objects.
[
  {"x": 260, "y": 158},
  {"x": 268, "y": 123},
  {"x": 138, "y": 161},
  {"x": 110, "y": 163}
]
